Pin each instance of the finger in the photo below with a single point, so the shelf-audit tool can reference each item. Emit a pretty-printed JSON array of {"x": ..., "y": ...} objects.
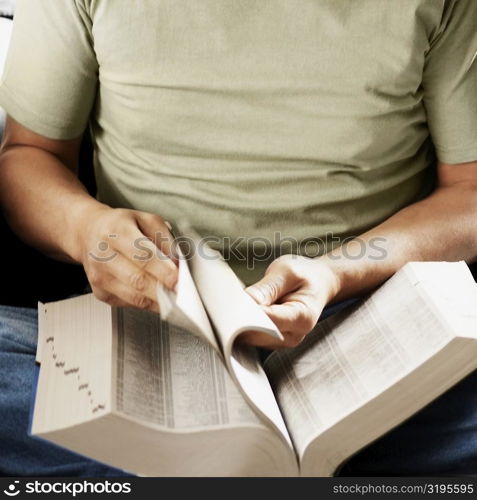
[
  {"x": 136, "y": 278},
  {"x": 155, "y": 228},
  {"x": 139, "y": 249},
  {"x": 274, "y": 285},
  {"x": 293, "y": 318},
  {"x": 117, "y": 294}
]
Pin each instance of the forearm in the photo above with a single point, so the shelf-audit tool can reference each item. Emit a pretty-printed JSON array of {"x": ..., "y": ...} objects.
[
  {"x": 443, "y": 227},
  {"x": 42, "y": 200}
]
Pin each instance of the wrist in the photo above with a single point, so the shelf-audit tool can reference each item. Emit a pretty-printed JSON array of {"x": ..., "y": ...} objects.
[
  {"x": 80, "y": 215},
  {"x": 333, "y": 276},
  {"x": 355, "y": 276}
]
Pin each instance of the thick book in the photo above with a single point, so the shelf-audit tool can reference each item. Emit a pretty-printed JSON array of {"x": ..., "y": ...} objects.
[{"x": 177, "y": 395}]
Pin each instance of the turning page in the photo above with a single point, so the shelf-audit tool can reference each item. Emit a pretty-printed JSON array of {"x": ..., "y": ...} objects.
[
  {"x": 183, "y": 307},
  {"x": 231, "y": 311}
]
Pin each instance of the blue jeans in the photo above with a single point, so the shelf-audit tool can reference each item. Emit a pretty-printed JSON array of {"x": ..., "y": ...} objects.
[{"x": 440, "y": 440}]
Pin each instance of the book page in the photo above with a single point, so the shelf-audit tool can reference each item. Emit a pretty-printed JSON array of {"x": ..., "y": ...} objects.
[
  {"x": 184, "y": 308},
  {"x": 450, "y": 290},
  {"x": 169, "y": 378},
  {"x": 353, "y": 356},
  {"x": 231, "y": 311}
]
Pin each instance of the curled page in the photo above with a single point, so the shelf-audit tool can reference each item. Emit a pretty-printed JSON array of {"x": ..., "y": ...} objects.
[
  {"x": 183, "y": 307},
  {"x": 232, "y": 311}
]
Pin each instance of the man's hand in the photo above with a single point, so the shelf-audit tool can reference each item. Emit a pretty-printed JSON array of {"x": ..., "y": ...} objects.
[
  {"x": 116, "y": 247},
  {"x": 293, "y": 293},
  {"x": 443, "y": 226},
  {"x": 125, "y": 253}
]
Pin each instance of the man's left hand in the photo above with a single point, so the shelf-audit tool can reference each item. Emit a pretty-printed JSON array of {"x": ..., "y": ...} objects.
[{"x": 293, "y": 293}]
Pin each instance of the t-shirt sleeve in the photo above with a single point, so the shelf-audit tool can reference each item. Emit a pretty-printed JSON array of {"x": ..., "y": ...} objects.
[
  {"x": 50, "y": 77},
  {"x": 450, "y": 83}
]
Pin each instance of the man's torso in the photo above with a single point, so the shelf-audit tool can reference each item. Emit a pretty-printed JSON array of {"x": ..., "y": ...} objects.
[{"x": 251, "y": 118}]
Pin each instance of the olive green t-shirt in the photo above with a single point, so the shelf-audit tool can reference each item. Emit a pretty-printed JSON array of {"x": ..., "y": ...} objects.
[{"x": 265, "y": 119}]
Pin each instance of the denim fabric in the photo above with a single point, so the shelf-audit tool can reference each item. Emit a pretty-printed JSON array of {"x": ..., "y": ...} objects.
[{"x": 439, "y": 440}]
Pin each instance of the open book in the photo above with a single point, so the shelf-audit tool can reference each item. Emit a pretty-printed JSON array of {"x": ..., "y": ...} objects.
[{"x": 176, "y": 395}]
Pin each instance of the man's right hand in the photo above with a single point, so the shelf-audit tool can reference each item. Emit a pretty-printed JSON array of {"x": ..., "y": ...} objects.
[{"x": 125, "y": 253}]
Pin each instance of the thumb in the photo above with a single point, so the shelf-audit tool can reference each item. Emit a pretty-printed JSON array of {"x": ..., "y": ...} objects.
[
  {"x": 158, "y": 230},
  {"x": 270, "y": 288}
]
